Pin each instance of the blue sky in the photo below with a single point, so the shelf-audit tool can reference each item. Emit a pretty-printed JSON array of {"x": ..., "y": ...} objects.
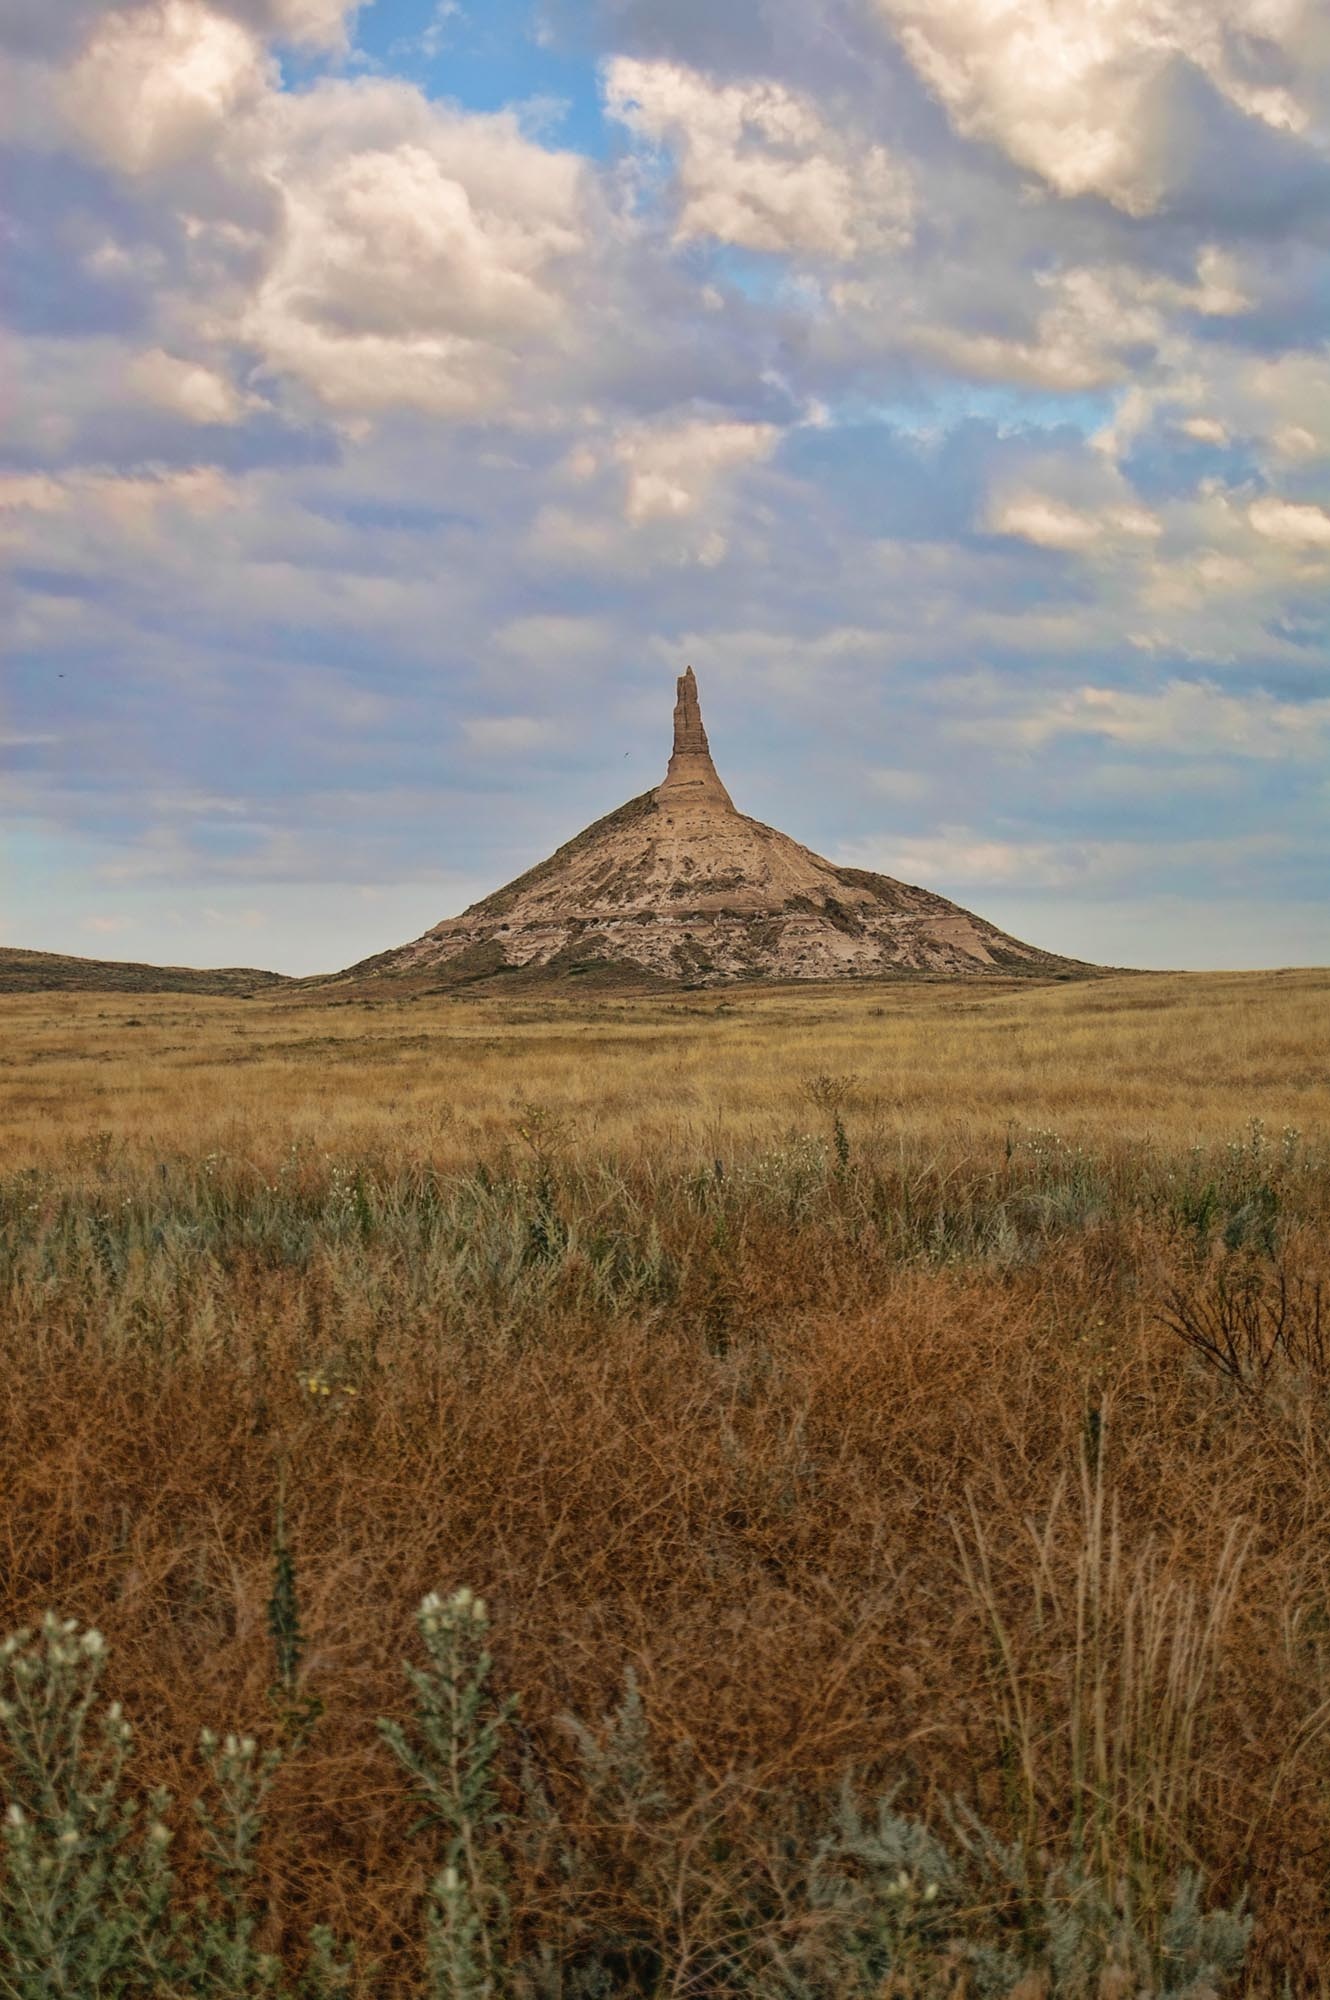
[{"x": 403, "y": 394}]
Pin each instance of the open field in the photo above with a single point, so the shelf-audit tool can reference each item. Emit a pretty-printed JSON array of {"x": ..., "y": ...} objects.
[
  {"x": 832, "y": 1360},
  {"x": 1143, "y": 1056}
]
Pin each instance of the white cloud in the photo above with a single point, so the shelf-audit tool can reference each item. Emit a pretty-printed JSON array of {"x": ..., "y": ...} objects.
[
  {"x": 649, "y": 492},
  {"x": 1217, "y": 392},
  {"x": 1187, "y": 718},
  {"x": 420, "y": 250},
  {"x": 1207, "y": 430},
  {"x": 1074, "y": 89},
  {"x": 1054, "y": 524},
  {"x": 304, "y": 260},
  {"x": 31, "y": 492},
  {"x": 1082, "y": 338},
  {"x": 958, "y": 854},
  {"x": 673, "y": 469},
  {"x": 1298, "y": 524},
  {"x": 313, "y": 21},
  {"x": 1087, "y": 325},
  {"x": 196, "y": 393},
  {"x": 158, "y": 82},
  {"x": 759, "y": 165},
  {"x": 377, "y": 249},
  {"x": 134, "y": 506},
  {"x": 962, "y": 858}
]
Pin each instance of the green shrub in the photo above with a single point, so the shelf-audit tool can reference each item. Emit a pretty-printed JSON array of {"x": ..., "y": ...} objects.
[{"x": 879, "y": 1903}]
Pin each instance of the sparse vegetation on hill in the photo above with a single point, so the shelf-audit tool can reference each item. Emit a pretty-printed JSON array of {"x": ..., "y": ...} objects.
[
  {"x": 54, "y": 972},
  {"x": 907, "y": 1394}
]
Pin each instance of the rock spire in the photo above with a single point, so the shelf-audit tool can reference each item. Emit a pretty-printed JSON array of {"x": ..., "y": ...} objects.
[
  {"x": 692, "y": 778},
  {"x": 676, "y": 886}
]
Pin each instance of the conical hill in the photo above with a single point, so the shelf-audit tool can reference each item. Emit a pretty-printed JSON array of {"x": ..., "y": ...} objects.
[{"x": 680, "y": 886}]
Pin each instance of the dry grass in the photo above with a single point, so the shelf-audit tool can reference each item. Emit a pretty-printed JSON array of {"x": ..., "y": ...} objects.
[
  {"x": 893, "y": 1469},
  {"x": 1153, "y": 1056}
]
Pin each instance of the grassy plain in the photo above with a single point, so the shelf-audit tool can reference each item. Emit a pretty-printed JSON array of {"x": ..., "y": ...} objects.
[{"x": 852, "y": 1415}]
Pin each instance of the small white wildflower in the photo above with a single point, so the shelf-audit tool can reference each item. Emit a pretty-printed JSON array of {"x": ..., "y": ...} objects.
[
  {"x": 930, "y": 1892},
  {"x": 479, "y": 1613},
  {"x": 451, "y": 1881},
  {"x": 158, "y": 1834},
  {"x": 14, "y": 1814},
  {"x": 460, "y": 1599},
  {"x": 93, "y": 1643},
  {"x": 247, "y": 1747}
]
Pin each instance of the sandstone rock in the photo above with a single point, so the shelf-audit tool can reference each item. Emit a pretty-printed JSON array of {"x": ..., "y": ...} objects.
[{"x": 679, "y": 885}]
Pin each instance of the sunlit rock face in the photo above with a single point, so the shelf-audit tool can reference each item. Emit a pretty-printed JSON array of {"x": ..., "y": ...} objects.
[{"x": 681, "y": 886}]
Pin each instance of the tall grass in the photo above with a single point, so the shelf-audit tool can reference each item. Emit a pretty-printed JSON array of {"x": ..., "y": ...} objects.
[
  {"x": 848, "y": 1457},
  {"x": 1130, "y": 1654}
]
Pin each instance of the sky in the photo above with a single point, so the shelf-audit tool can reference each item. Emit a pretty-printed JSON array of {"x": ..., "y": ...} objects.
[{"x": 397, "y": 397}]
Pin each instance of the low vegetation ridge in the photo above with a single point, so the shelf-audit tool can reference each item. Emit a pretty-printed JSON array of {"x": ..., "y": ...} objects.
[{"x": 55, "y": 972}]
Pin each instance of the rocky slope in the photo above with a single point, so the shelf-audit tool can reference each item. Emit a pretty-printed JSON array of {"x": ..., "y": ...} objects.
[{"x": 679, "y": 885}]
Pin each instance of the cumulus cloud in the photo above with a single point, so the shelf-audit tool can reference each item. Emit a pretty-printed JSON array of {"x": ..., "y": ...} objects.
[
  {"x": 1076, "y": 326},
  {"x": 1298, "y": 524},
  {"x": 317, "y": 22},
  {"x": 374, "y": 248},
  {"x": 1078, "y": 90},
  {"x": 1206, "y": 430},
  {"x": 198, "y": 394},
  {"x": 158, "y": 82},
  {"x": 349, "y": 408},
  {"x": 760, "y": 166},
  {"x": 673, "y": 469},
  {"x": 417, "y": 250}
]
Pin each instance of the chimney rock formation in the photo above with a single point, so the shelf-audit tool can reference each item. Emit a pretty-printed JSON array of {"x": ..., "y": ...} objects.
[
  {"x": 691, "y": 777},
  {"x": 679, "y": 885}
]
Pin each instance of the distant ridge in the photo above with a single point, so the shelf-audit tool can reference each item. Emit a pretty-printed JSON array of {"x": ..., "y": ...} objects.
[
  {"x": 678, "y": 886},
  {"x": 54, "y": 972}
]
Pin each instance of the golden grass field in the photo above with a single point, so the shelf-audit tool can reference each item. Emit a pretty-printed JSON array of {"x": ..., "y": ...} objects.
[
  {"x": 1146, "y": 1056},
  {"x": 852, "y": 1415}
]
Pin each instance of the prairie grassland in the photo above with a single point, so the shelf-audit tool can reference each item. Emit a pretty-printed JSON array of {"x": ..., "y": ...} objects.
[
  {"x": 1151, "y": 1056},
  {"x": 918, "y": 1388}
]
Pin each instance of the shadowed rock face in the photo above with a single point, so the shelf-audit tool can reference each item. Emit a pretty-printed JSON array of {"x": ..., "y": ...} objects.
[{"x": 680, "y": 885}]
